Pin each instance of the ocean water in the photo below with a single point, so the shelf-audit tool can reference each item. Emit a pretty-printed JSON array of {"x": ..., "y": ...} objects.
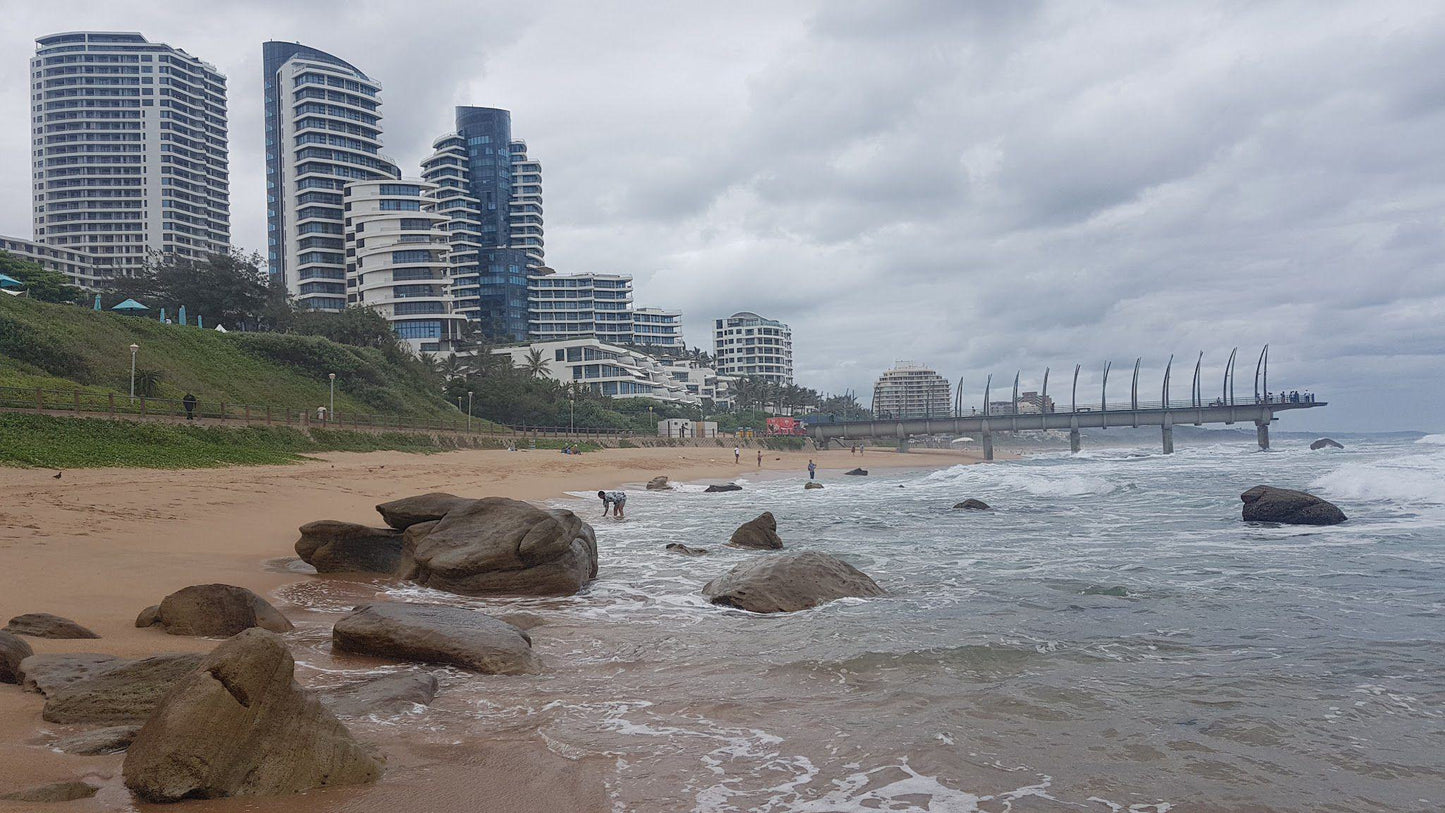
[{"x": 1110, "y": 637}]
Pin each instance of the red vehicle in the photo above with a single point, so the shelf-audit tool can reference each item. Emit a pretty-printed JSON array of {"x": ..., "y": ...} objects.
[{"x": 787, "y": 426}]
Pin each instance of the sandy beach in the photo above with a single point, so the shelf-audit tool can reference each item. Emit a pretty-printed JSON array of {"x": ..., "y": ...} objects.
[{"x": 99, "y": 545}]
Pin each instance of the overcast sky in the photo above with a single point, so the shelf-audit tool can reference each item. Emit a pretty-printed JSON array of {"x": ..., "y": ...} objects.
[{"x": 980, "y": 187}]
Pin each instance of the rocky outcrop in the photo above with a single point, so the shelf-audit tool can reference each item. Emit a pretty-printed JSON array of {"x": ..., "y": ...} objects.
[
  {"x": 389, "y": 694},
  {"x": 13, "y": 650},
  {"x": 718, "y": 489},
  {"x": 214, "y": 611},
  {"x": 1270, "y": 504},
  {"x": 240, "y": 726},
  {"x": 760, "y": 533},
  {"x": 659, "y": 483},
  {"x": 972, "y": 504},
  {"x": 1326, "y": 443},
  {"x": 45, "y": 625},
  {"x": 678, "y": 547},
  {"x": 435, "y": 633},
  {"x": 332, "y": 546},
  {"x": 857, "y": 472},
  {"x": 811, "y": 484},
  {"x": 126, "y": 693},
  {"x": 789, "y": 582},
  {"x": 110, "y": 740},
  {"x": 57, "y": 792},
  {"x": 497, "y": 545},
  {"x": 48, "y": 674},
  {"x": 408, "y": 511}
]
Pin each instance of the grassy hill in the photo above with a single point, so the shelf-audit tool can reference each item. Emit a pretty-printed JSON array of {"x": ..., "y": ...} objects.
[{"x": 68, "y": 347}]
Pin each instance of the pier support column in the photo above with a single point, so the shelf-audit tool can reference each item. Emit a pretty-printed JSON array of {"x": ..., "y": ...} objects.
[
  {"x": 902, "y": 445},
  {"x": 1262, "y": 430},
  {"x": 1074, "y": 444},
  {"x": 987, "y": 446},
  {"x": 1168, "y": 440}
]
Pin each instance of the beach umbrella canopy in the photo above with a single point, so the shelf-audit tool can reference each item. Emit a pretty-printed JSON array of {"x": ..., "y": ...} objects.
[
  {"x": 10, "y": 282},
  {"x": 130, "y": 306}
]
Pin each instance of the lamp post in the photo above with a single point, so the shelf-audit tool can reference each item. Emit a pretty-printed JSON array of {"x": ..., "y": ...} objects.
[
  {"x": 572, "y": 412},
  {"x": 133, "y": 349},
  {"x": 331, "y": 410},
  {"x": 469, "y": 410}
]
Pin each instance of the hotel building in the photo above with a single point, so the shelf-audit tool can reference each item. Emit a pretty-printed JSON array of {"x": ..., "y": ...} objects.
[
  {"x": 911, "y": 390},
  {"x": 748, "y": 346}
]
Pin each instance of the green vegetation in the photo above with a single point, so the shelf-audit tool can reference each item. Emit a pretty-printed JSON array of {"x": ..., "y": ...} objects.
[
  {"x": 63, "y": 443},
  {"x": 40, "y": 282}
]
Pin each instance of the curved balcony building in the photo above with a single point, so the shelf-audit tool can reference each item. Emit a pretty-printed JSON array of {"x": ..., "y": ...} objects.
[
  {"x": 747, "y": 345},
  {"x": 525, "y": 210}
]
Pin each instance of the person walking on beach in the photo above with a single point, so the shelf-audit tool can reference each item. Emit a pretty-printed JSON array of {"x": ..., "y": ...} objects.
[
  {"x": 812, "y": 470},
  {"x": 189, "y": 402},
  {"x": 617, "y": 500},
  {"x": 760, "y": 458},
  {"x": 737, "y": 455}
]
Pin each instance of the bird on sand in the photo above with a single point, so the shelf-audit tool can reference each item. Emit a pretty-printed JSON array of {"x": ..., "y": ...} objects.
[{"x": 57, "y": 475}]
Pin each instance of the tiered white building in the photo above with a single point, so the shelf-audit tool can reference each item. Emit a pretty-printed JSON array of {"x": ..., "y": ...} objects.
[
  {"x": 622, "y": 372},
  {"x": 910, "y": 390},
  {"x": 747, "y": 345}
]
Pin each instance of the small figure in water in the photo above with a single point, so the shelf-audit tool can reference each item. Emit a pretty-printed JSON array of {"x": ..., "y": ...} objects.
[
  {"x": 812, "y": 470},
  {"x": 615, "y": 499}
]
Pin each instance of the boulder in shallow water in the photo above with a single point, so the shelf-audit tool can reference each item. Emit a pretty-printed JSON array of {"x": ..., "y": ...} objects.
[
  {"x": 56, "y": 792},
  {"x": 13, "y": 650},
  {"x": 812, "y": 484},
  {"x": 1117, "y": 591},
  {"x": 110, "y": 740},
  {"x": 760, "y": 533},
  {"x": 125, "y": 693},
  {"x": 678, "y": 547},
  {"x": 388, "y": 694},
  {"x": 972, "y": 504},
  {"x": 45, "y": 625},
  {"x": 857, "y": 473},
  {"x": 659, "y": 483},
  {"x": 1270, "y": 504},
  {"x": 214, "y": 611},
  {"x": 789, "y": 582},
  {"x": 436, "y": 633},
  {"x": 719, "y": 489},
  {"x": 240, "y": 726},
  {"x": 408, "y": 511},
  {"x": 332, "y": 546},
  {"x": 1326, "y": 443},
  {"x": 47, "y": 674}
]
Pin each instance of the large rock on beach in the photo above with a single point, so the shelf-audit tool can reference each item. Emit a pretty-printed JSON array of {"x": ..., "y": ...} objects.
[
  {"x": 857, "y": 473},
  {"x": 240, "y": 726},
  {"x": 55, "y": 792},
  {"x": 126, "y": 693},
  {"x": 497, "y": 545},
  {"x": 111, "y": 740},
  {"x": 332, "y": 546},
  {"x": 1270, "y": 504},
  {"x": 13, "y": 650},
  {"x": 760, "y": 533},
  {"x": 436, "y": 633},
  {"x": 48, "y": 674},
  {"x": 972, "y": 504},
  {"x": 45, "y": 625},
  {"x": 812, "y": 484},
  {"x": 214, "y": 611},
  {"x": 408, "y": 511},
  {"x": 388, "y": 694},
  {"x": 659, "y": 483},
  {"x": 718, "y": 489},
  {"x": 1326, "y": 443},
  {"x": 789, "y": 582}
]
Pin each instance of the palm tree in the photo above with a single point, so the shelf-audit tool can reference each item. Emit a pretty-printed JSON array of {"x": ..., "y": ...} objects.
[
  {"x": 452, "y": 367},
  {"x": 536, "y": 363}
]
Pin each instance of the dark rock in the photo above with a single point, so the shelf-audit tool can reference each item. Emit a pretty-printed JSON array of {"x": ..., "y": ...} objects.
[
  {"x": 58, "y": 792},
  {"x": 858, "y": 472},
  {"x": 659, "y": 483},
  {"x": 408, "y": 511},
  {"x": 110, "y": 740},
  {"x": 388, "y": 694},
  {"x": 148, "y": 617},
  {"x": 410, "y": 538},
  {"x": 434, "y": 633},
  {"x": 497, "y": 545},
  {"x": 13, "y": 650},
  {"x": 1117, "y": 591},
  {"x": 332, "y": 546},
  {"x": 45, "y": 625},
  {"x": 815, "y": 484},
  {"x": 215, "y": 611},
  {"x": 678, "y": 547},
  {"x": 716, "y": 489},
  {"x": 48, "y": 674},
  {"x": 1326, "y": 443},
  {"x": 759, "y": 534},
  {"x": 972, "y": 504},
  {"x": 125, "y": 693},
  {"x": 789, "y": 582},
  {"x": 240, "y": 726},
  {"x": 1270, "y": 504}
]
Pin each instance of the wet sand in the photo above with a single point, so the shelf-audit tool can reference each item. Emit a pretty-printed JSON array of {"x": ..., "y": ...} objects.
[{"x": 97, "y": 546}]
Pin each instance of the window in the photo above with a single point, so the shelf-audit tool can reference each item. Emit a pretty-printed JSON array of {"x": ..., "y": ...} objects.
[
  {"x": 401, "y": 206},
  {"x": 419, "y": 330},
  {"x": 411, "y": 256},
  {"x": 400, "y": 189}
]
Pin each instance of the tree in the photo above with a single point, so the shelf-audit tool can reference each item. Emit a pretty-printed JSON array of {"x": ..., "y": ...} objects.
[
  {"x": 225, "y": 288},
  {"x": 536, "y": 363},
  {"x": 40, "y": 283}
]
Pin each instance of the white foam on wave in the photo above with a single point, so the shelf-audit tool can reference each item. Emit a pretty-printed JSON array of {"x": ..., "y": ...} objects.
[
  {"x": 1414, "y": 479},
  {"x": 1432, "y": 440},
  {"x": 898, "y": 787},
  {"x": 1035, "y": 481}
]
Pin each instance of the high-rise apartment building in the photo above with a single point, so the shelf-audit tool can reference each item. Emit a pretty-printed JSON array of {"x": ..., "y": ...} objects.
[
  {"x": 748, "y": 346},
  {"x": 323, "y": 131},
  {"x": 525, "y": 209},
  {"x": 911, "y": 390},
  {"x": 655, "y": 327},
  {"x": 566, "y": 306},
  {"x": 129, "y": 149}
]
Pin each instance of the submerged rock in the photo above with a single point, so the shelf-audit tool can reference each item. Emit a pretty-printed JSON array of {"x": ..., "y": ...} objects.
[
  {"x": 759, "y": 534},
  {"x": 13, "y": 650},
  {"x": 659, "y": 483},
  {"x": 857, "y": 473},
  {"x": 678, "y": 547},
  {"x": 110, "y": 740},
  {"x": 57, "y": 792},
  {"x": 789, "y": 582},
  {"x": 215, "y": 611},
  {"x": 125, "y": 693},
  {"x": 1326, "y": 443},
  {"x": 45, "y": 625},
  {"x": 408, "y": 511},
  {"x": 972, "y": 504},
  {"x": 47, "y": 674},
  {"x": 435, "y": 633},
  {"x": 718, "y": 489},
  {"x": 1117, "y": 591},
  {"x": 332, "y": 546},
  {"x": 1270, "y": 504},
  {"x": 388, "y": 694},
  {"x": 811, "y": 484},
  {"x": 240, "y": 726}
]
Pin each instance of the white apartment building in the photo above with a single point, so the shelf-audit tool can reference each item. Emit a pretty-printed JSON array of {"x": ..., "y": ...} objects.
[
  {"x": 910, "y": 390},
  {"x": 77, "y": 266},
  {"x": 704, "y": 382},
  {"x": 396, "y": 260},
  {"x": 525, "y": 207},
  {"x": 564, "y": 306},
  {"x": 655, "y": 327},
  {"x": 613, "y": 371},
  {"x": 748, "y": 346},
  {"x": 323, "y": 131},
  {"x": 128, "y": 139}
]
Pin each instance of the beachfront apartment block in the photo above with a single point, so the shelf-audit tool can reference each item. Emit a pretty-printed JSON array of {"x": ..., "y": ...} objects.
[
  {"x": 655, "y": 327},
  {"x": 524, "y": 211},
  {"x": 607, "y": 369},
  {"x": 747, "y": 345},
  {"x": 129, "y": 152},
  {"x": 78, "y": 267},
  {"x": 910, "y": 390},
  {"x": 323, "y": 131},
  {"x": 565, "y": 306}
]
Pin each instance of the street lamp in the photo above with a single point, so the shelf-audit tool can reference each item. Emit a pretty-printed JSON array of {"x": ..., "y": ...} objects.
[
  {"x": 572, "y": 412},
  {"x": 133, "y": 349},
  {"x": 469, "y": 410},
  {"x": 331, "y": 411}
]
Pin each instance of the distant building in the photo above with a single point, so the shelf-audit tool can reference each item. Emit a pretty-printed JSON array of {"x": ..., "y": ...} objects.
[
  {"x": 128, "y": 150},
  {"x": 704, "y": 382},
  {"x": 565, "y": 306},
  {"x": 525, "y": 208},
  {"x": 748, "y": 346},
  {"x": 607, "y": 369},
  {"x": 396, "y": 261},
  {"x": 911, "y": 390},
  {"x": 655, "y": 327},
  {"x": 1032, "y": 403},
  {"x": 78, "y": 267}
]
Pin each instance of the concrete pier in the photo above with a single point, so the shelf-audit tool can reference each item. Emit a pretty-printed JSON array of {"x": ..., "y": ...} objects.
[
  {"x": 1074, "y": 444},
  {"x": 1262, "y": 431},
  {"x": 1168, "y": 432},
  {"x": 987, "y": 446}
]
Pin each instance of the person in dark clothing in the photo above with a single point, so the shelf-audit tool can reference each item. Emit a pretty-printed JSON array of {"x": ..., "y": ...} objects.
[{"x": 190, "y": 403}]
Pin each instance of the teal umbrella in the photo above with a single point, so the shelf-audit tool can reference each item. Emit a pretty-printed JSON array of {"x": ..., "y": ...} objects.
[
  {"x": 130, "y": 306},
  {"x": 10, "y": 282}
]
